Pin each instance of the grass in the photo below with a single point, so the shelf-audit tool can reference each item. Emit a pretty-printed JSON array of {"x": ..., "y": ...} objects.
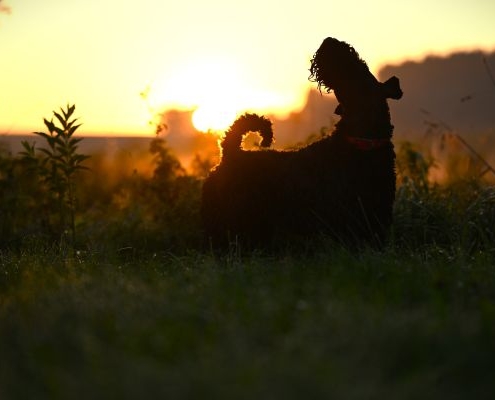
[
  {"x": 124, "y": 320},
  {"x": 329, "y": 324}
]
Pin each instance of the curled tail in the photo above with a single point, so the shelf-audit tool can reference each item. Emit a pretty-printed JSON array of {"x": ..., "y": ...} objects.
[{"x": 242, "y": 125}]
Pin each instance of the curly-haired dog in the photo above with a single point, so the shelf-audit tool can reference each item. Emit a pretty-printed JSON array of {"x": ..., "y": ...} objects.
[{"x": 342, "y": 186}]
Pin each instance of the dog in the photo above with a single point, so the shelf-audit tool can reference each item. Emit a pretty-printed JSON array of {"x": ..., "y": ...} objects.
[{"x": 342, "y": 186}]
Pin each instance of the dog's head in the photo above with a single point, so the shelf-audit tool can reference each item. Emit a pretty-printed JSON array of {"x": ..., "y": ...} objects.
[
  {"x": 336, "y": 66},
  {"x": 335, "y": 63}
]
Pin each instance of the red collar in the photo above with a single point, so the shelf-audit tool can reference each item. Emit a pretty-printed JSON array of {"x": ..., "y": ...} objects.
[{"x": 367, "y": 144}]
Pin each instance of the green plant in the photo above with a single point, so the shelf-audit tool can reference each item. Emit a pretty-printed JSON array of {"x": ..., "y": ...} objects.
[
  {"x": 57, "y": 165},
  {"x": 413, "y": 168},
  {"x": 457, "y": 214}
]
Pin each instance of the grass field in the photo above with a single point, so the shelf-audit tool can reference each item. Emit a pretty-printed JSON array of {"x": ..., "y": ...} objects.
[
  {"x": 328, "y": 324},
  {"x": 106, "y": 291}
]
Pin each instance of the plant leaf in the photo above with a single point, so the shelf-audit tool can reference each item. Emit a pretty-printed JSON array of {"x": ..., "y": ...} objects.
[
  {"x": 49, "y": 125},
  {"x": 72, "y": 129},
  {"x": 74, "y": 141},
  {"x": 62, "y": 120},
  {"x": 47, "y": 152},
  {"x": 70, "y": 111}
]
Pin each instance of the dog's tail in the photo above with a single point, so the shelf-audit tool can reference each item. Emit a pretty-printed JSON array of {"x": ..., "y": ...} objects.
[{"x": 247, "y": 123}]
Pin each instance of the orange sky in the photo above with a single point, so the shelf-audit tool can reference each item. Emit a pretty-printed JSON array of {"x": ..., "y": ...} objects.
[{"x": 219, "y": 56}]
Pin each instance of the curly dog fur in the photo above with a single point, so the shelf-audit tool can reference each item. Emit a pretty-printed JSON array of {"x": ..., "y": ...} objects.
[{"x": 342, "y": 186}]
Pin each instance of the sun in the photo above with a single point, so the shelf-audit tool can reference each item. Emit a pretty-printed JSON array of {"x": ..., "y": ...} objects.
[
  {"x": 213, "y": 117},
  {"x": 216, "y": 88}
]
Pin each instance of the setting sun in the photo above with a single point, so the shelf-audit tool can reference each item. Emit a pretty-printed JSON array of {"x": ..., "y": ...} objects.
[
  {"x": 207, "y": 85},
  {"x": 218, "y": 89},
  {"x": 212, "y": 118}
]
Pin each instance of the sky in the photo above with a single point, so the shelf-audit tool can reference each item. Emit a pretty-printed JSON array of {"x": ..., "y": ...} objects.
[{"x": 122, "y": 62}]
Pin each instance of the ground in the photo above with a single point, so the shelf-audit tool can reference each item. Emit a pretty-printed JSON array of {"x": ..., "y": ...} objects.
[{"x": 324, "y": 325}]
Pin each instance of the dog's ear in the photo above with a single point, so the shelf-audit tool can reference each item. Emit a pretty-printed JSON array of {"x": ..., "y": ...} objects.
[{"x": 391, "y": 88}]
